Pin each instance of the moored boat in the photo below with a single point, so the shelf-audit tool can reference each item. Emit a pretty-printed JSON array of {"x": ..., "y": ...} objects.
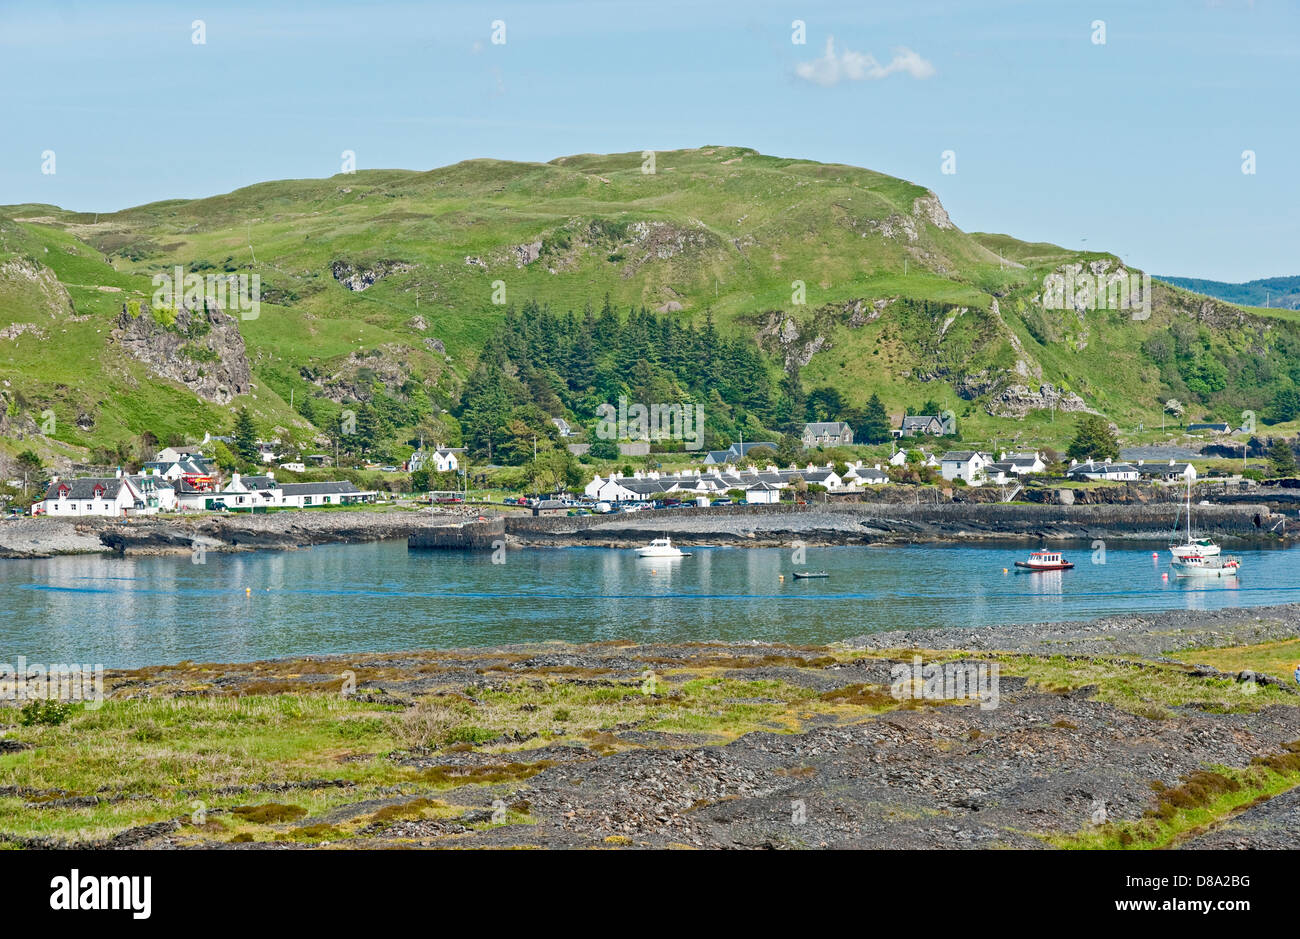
[
  {"x": 660, "y": 548},
  {"x": 1216, "y": 565},
  {"x": 807, "y": 575},
  {"x": 1044, "y": 561},
  {"x": 1200, "y": 557}
]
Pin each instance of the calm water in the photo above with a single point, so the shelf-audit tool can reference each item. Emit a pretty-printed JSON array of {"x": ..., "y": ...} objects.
[{"x": 341, "y": 598}]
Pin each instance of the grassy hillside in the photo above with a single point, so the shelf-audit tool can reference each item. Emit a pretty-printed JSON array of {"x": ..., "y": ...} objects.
[{"x": 897, "y": 301}]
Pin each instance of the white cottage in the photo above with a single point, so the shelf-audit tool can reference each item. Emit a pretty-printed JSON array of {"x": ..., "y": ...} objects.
[{"x": 91, "y": 495}]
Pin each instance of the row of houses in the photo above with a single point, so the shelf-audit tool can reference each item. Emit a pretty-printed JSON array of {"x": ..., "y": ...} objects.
[
  {"x": 149, "y": 493},
  {"x": 759, "y": 485},
  {"x": 975, "y": 468}
]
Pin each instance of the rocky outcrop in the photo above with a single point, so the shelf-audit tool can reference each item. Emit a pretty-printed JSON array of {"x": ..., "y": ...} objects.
[
  {"x": 929, "y": 209},
  {"x": 358, "y": 278},
  {"x": 17, "y": 426},
  {"x": 1019, "y": 400},
  {"x": 200, "y": 348},
  {"x": 527, "y": 254},
  {"x": 32, "y": 276},
  {"x": 355, "y": 377}
]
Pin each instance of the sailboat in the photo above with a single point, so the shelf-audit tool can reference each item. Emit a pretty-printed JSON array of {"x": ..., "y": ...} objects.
[{"x": 1200, "y": 556}]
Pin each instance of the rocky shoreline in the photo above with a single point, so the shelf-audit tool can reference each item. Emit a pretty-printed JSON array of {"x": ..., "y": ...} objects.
[
  {"x": 1109, "y": 733},
  {"x": 752, "y": 526},
  {"x": 143, "y": 536}
]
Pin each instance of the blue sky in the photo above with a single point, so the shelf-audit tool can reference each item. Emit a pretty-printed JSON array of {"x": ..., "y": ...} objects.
[{"x": 1132, "y": 146}]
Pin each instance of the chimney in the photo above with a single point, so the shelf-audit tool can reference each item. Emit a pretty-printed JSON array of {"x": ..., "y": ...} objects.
[
  {"x": 119, "y": 472},
  {"x": 234, "y": 479},
  {"x": 270, "y": 474}
]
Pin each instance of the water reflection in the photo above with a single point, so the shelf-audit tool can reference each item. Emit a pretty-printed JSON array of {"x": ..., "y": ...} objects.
[{"x": 343, "y": 598}]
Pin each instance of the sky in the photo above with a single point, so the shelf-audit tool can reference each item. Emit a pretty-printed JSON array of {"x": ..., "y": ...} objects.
[{"x": 1115, "y": 126}]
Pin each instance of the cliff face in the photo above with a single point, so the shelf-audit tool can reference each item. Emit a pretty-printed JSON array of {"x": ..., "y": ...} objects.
[{"x": 201, "y": 348}]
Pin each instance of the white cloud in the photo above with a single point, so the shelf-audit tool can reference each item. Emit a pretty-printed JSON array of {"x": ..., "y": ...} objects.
[{"x": 832, "y": 68}]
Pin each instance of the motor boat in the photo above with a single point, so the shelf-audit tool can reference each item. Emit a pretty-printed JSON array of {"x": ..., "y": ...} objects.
[
  {"x": 660, "y": 548},
  {"x": 1044, "y": 561}
]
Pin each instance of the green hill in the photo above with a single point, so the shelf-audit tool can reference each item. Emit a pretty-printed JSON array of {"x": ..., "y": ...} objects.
[
  {"x": 1280, "y": 292},
  {"x": 381, "y": 290}
]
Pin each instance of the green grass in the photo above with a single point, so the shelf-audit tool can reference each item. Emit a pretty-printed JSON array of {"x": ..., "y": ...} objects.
[
  {"x": 1199, "y": 800},
  {"x": 1146, "y": 689},
  {"x": 1278, "y": 658}
]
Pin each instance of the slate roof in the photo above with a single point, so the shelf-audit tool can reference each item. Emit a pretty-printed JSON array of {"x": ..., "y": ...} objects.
[
  {"x": 1102, "y": 469},
  {"x": 1162, "y": 469},
  {"x": 340, "y": 487},
  {"x": 259, "y": 483},
  {"x": 84, "y": 488}
]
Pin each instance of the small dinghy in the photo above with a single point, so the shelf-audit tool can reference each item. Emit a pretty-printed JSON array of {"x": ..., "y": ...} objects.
[{"x": 806, "y": 575}]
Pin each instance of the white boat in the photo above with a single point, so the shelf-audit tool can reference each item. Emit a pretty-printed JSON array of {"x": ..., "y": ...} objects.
[
  {"x": 1044, "y": 561},
  {"x": 1200, "y": 557},
  {"x": 660, "y": 548}
]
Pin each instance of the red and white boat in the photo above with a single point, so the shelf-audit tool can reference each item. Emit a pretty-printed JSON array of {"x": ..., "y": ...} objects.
[
  {"x": 1200, "y": 557},
  {"x": 1045, "y": 561}
]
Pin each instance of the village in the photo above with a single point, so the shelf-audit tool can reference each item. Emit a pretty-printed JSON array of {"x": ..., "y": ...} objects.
[
  {"x": 186, "y": 480},
  {"x": 183, "y": 480}
]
